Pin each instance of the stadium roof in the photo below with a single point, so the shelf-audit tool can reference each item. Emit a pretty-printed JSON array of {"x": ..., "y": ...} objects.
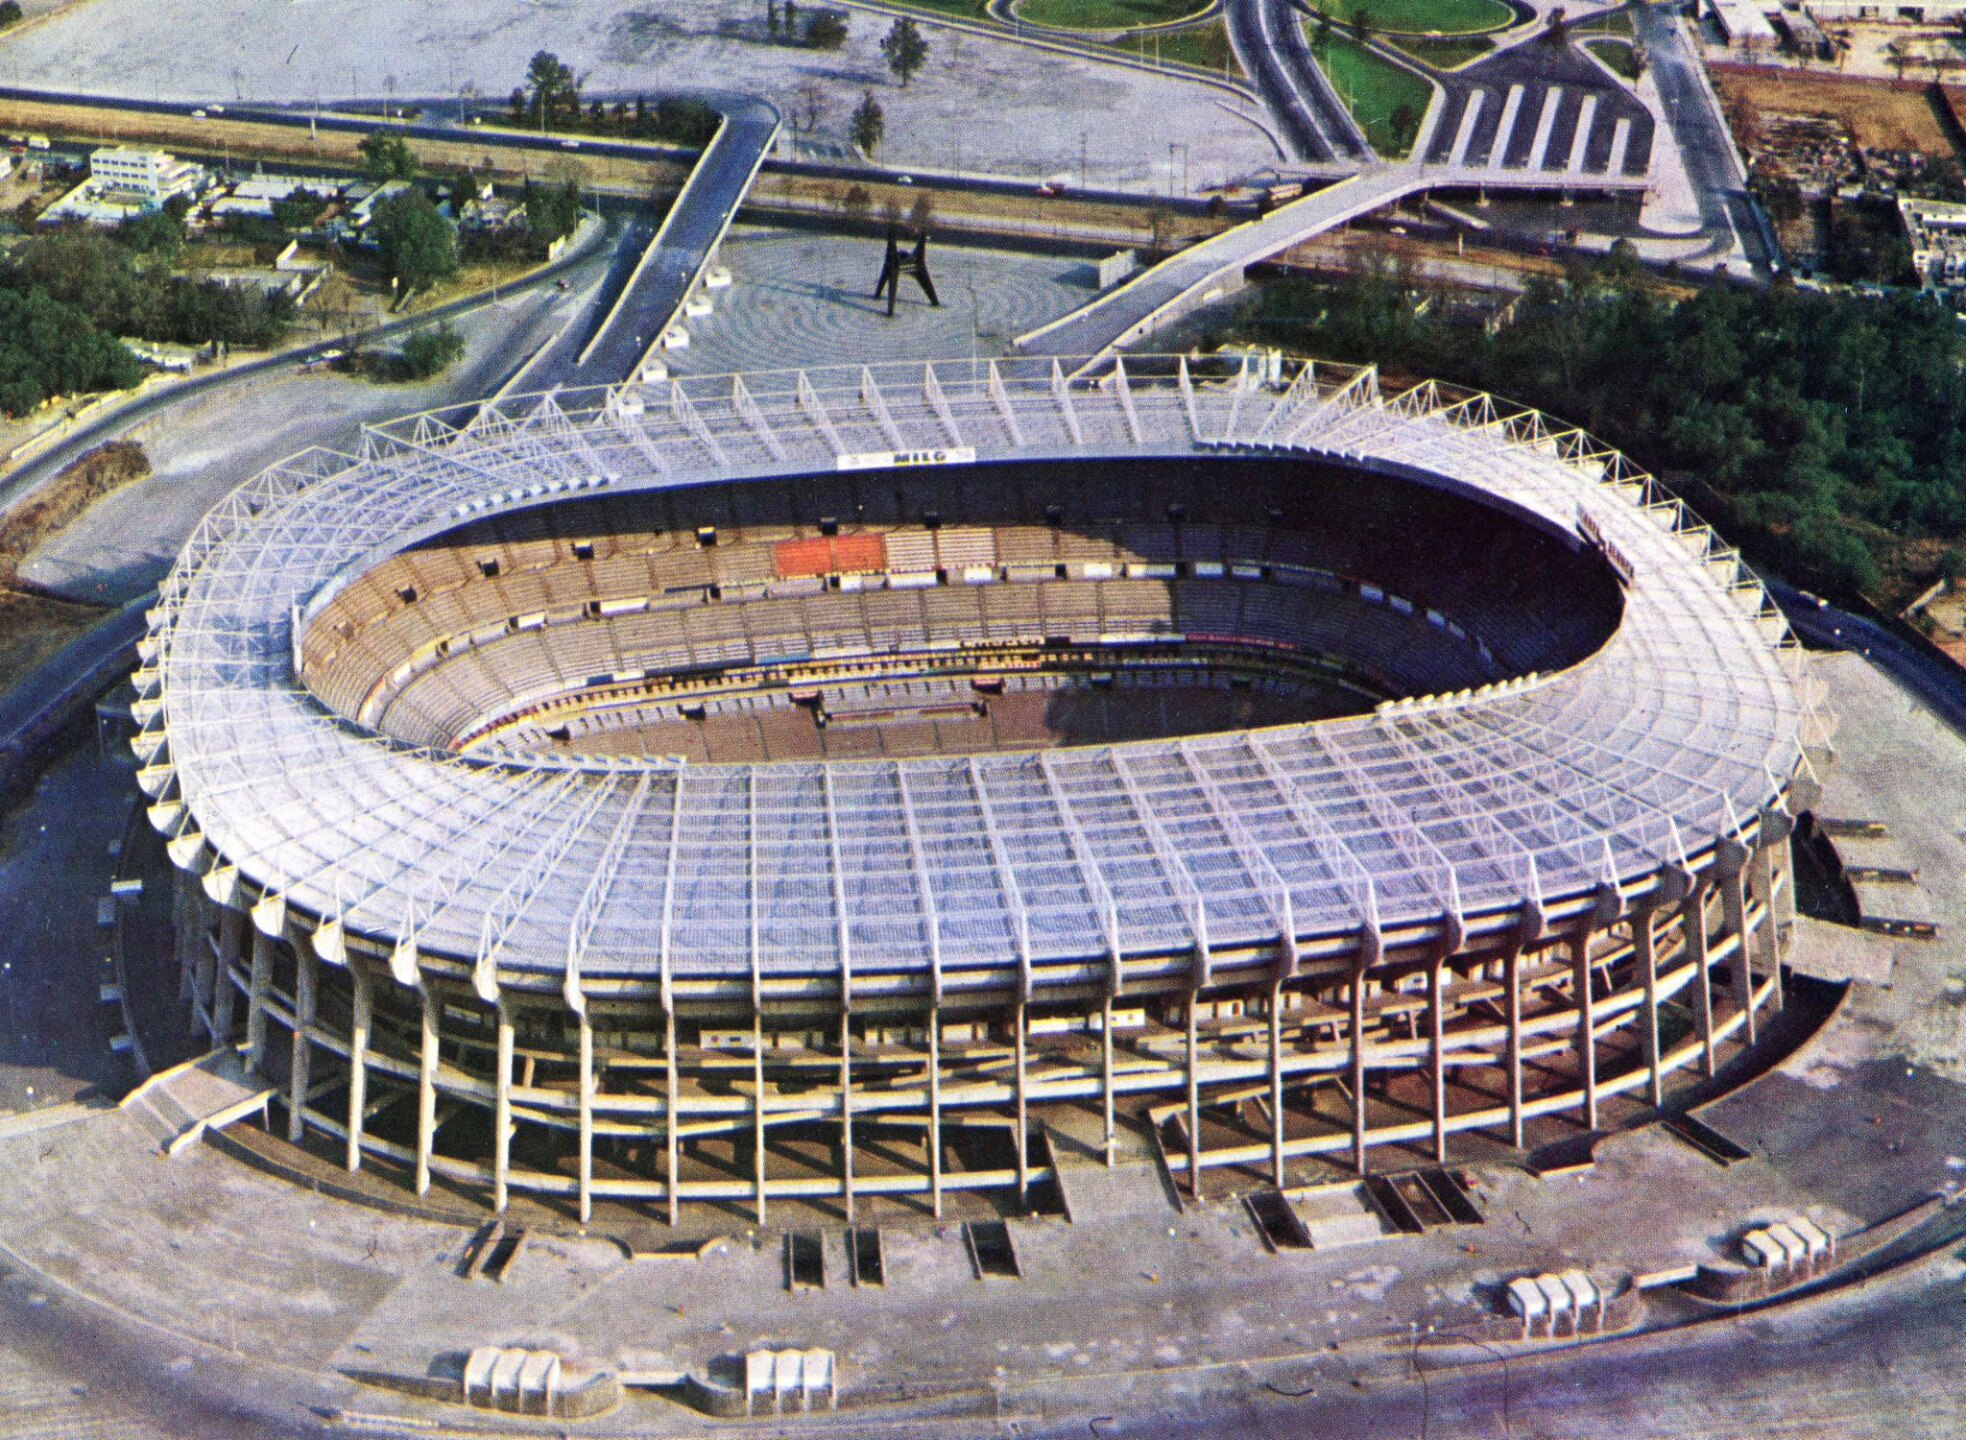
[{"x": 1683, "y": 728}]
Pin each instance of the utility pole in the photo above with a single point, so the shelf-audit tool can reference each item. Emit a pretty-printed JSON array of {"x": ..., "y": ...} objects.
[{"x": 1082, "y": 150}]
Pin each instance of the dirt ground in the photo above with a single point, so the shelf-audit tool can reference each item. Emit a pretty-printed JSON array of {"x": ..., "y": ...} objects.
[
  {"x": 33, "y": 627},
  {"x": 1879, "y": 117}
]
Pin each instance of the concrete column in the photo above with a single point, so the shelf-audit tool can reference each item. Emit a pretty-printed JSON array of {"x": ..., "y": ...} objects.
[
  {"x": 188, "y": 928},
  {"x": 1512, "y": 1010},
  {"x": 846, "y": 1110},
  {"x": 1357, "y": 1068},
  {"x": 358, "y": 1060},
  {"x": 672, "y": 1184},
  {"x": 231, "y": 930},
  {"x": 306, "y": 979},
  {"x": 586, "y": 1117},
  {"x": 1276, "y": 1083},
  {"x": 1106, "y": 1080},
  {"x": 935, "y": 1108},
  {"x": 1194, "y": 1099},
  {"x": 1023, "y": 1110},
  {"x": 1586, "y": 1003},
  {"x": 1693, "y": 929},
  {"x": 1766, "y": 947},
  {"x": 758, "y": 1108},
  {"x": 1645, "y": 956},
  {"x": 426, "y": 1089},
  {"x": 204, "y": 982},
  {"x": 502, "y": 1112},
  {"x": 1437, "y": 1054},
  {"x": 261, "y": 985},
  {"x": 1733, "y": 910}
]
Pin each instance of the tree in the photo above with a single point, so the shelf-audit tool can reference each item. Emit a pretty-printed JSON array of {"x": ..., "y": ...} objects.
[
  {"x": 826, "y": 30},
  {"x": 386, "y": 156},
  {"x": 771, "y": 18},
  {"x": 1557, "y": 30},
  {"x": 429, "y": 352},
  {"x": 298, "y": 211},
  {"x": 552, "y": 210},
  {"x": 10, "y": 13},
  {"x": 151, "y": 232},
  {"x": 1362, "y": 25},
  {"x": 49, "y": 349},
  {"x": 419, "y": 246},
  {"x": 549, "y": 82},
  {"x": 857, "y": 202},
  {"x": 1405, "y": 123},
  {"x": 811, "y": 104},
  {"x": 868, "y": 125},
  {"x": 904, "y": 49}
]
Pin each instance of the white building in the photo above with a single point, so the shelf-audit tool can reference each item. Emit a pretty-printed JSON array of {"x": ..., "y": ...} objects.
[
  {"x": 150, "y": 176},
  {"x": 1742, "y": 25},
  {"x": 1930, "y": 12},
  {"x": 1937, "y": 231}
]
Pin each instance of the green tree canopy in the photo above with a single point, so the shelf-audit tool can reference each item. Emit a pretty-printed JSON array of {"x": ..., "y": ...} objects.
[
  {"x": 387, "y": 156},
  {"x": 869, "y": 123},
  {"x": 49, "y": 349},
  {"x": 552, "y": 210},
  {"x": 419, "y": 246},
  {"x": 904, "y": 49}
]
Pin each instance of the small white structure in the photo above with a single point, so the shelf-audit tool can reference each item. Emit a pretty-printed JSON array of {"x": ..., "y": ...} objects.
[
  {"x": 784, "y": 1373},
  {"x": 524, "y": 1382},
  {"x": 1936, "y": 230},
  {"x": 1743, "y": 25},
  {"x": 1793, "y": 1248}
]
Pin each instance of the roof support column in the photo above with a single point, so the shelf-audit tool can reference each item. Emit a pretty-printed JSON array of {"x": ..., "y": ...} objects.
[
  {"x": 231, "y": 926},
  {"x": 1437, "y": 1054},
  {"x": 1512, "y": 1060},
  {"x": 1106, "y": 1079},
  {"x": 671, "y": 1186},
  {"x": 502, "y": 1112},
  {"x": 935, "y": 1108},
  {"x": 587, "y": 1088},
  {"x": 1761, "y": 889},
  {"x": 306, "y": 978},
  {"x": 257, "y": 990},
  {"x": 758, "y": 1107},
  {"x": 1693, "y": 930},
  {"x": 1585, "y": 1001},
  {"x": 1276, "y": 1083},
  {"x": 846, "y": 1108},
  {"x": 1731, "y": 860},
  {"x": 1194, "y": 1100},
  {"x": 358, "y": 1060},
  {"x": 1356, "y": 1067},
  {"x": 1645, "y": 953},
  {"x": 426, "y": 1086},
  {"x": 1023, "y": 1111}
]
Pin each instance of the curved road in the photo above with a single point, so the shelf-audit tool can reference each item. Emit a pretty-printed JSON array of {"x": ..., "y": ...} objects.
[{"x": 1268, "y": 38}]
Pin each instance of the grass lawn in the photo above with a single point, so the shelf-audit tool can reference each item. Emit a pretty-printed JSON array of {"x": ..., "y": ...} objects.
[
  {"x": 1611, "y": 22},
  {"x": 1387, "y": 101},
  {"x": 1618, "y": 54},
  {"x": 962, "y": 9},
  {"x": 1444, "y": 54},
  {"x": 1206, "y": 47},
  {"x": 1424, "y": 17},
  {"x": 1106, "y": 14}
]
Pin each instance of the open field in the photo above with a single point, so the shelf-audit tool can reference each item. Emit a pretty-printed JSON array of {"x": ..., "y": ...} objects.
[
  {"x": 1879, "y": 116},
  {"x": 1386, "y": 99},
  {"x": 1204, "y": 46},
  {"x": 1423, "y": 17},
  {"x": 1446, "y": 53},
  {"x": 1618, "y": 54},
  {"x": 1106, "y": 14}
]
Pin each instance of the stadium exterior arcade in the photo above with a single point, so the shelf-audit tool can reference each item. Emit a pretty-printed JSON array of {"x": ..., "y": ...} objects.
[{"x": 802, "y": 784}]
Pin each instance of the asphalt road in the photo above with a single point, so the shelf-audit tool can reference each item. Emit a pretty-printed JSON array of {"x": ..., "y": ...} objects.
[
  {"x": 655, "y": 267},
  {"x": 1268, "y": 38},
  {"x": 1940, "y": 685},
  {"x": 1700, "y": 131}
]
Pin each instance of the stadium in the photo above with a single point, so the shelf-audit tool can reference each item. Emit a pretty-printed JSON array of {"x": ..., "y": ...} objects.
[{"x": 831, "y": 787}]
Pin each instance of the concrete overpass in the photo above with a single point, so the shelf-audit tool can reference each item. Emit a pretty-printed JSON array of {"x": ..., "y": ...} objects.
[
  {"x": 1193, "y": 276},
  {"x": 609, "y": 339}
]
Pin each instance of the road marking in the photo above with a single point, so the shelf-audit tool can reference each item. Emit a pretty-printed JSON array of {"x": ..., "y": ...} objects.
[
  {"x": 1469, "y": 115},
  {"x": 1545, "y": 124},
  {"x": 1498, "y": 151},
  {"x": 1580, "y": 142},
  {"x": 1621, "y": 139}
]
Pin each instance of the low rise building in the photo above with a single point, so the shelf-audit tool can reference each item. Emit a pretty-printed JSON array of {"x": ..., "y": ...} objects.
[
  {"x": 1743, "y": 26},
  {"x": 150, "y": 176},
  {"x": 1937, "y": 232}
]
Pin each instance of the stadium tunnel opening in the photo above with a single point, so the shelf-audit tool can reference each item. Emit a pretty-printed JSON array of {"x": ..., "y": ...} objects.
[{"x": 952, "y": 610}]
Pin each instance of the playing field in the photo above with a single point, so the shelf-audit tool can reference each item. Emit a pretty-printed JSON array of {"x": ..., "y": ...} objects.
[
  {"x": 1423, "y": 17},
  {"x": 1106, "y": 14},
  {"x": 1387, "y": 100}
]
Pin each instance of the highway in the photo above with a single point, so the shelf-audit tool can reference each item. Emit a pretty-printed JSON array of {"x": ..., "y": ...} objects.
[
  {"x": 1940, "y": 684},
  {"x": 1700, "y": 132},
  {"x": 1268, "y": 38}
]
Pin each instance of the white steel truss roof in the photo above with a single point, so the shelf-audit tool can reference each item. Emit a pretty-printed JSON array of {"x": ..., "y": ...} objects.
[{"x": 1684, "y": 727}]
